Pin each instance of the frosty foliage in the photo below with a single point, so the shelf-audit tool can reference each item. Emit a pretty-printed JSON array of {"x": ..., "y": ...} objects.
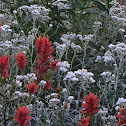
[{"x": 85, "y": 53}]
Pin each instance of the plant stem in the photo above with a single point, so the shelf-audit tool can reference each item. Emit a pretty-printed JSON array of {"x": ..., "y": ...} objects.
[{"x": 4, "y": 110}]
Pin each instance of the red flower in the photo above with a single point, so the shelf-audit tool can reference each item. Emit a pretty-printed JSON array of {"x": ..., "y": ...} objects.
[
  {"x": 43, "y": 44},
  {"x": 21, "y": 61},
  {"x": 22, "y": 114},
  {"x": 32, "y": 88},
  {"x": 44, "y": 50},
  {"x": 91, "y": 105},
  {"x": 47, "y": 86},
  {"x": 54, "y": 65},
  {"x": 122, "y": 117},
  {"x": 59, "y": 89},
  {"x": 84, "y": 122},
  {"x": 66, "y": 106},
  {"x": 4, "y": 65}
]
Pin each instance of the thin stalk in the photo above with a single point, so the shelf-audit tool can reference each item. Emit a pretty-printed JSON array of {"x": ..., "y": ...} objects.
[{"x": 4, "y": 110}]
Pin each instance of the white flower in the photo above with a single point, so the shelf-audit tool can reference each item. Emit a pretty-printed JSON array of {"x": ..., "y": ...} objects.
[
  {"x": 18, "y": 83},
  {"x": 76, "y": 47},
  {"x": 2, "y": 16},
  {"x": 121, "y": 100},
  {"x": 25, "y": 94},
  {"x": 63, "y": 66},
  {"x": 108, "y": 56},
  {"x": 19, "y": 93},
  {"x": 50, "y": 25},
  {"x": 70, "y": 98},
  {"x": 121, "y": 30},
  {"x": 91, "y": 80},
  {"x": 64, "y": 90},
  {"x": 74, "y": 79},
  {"x": 53, "y": 102},
  {"x": 97, "y": 23},
  {"x": 88, "y": 37},
  {"x": 24, "y": 52},
  {"x": 48, "y": 97},
  {"x": 106, "y": 74},
  {"x": 15, "y": 12},
  {"x": 117, "y": 108},
  {"x": 42, "y": 82},
  {"x": 103, "y": 111},
  {"x": 98, "y": 58},
  {"x": 19, "y": 77},
  {"x": 84, "y": 74},
  {"x": 70, "y": 76},
  {"x": 54, "y": 95}
]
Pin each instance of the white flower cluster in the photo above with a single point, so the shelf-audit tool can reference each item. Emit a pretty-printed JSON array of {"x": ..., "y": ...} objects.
[
  {"x": 37, "y": 11},
  {"x": 53, "y": 102},
  {"x": 5, "y": 31},
  {"x": 54, "y": 99},
  {"x": 60, "y": 48},
  {"x": 98, "y": 58},
  {"x": 85, "y": 75},
  {"x": 63, "y": 66},
  {"x": 61, "y": 4},
  {"x": 118, "y": 13},
  {"x": 29, "y": 77},
  {"x": 108, "y": 57},
  {"x": 110, "y": 119},
  {"x": 80, "y": 74},
  {"x": 108, "y": 76},
  {"x": 85, "y": 37},
  {"x": 39, "y": 103},
  {"x": 42, "y": 83},
  {"x": 67, "y": 40},
  {"x": 119, "y": 48},
  {"x": 103, "y": 111},
  {"x": 21, "y": 94},
  {"x": 7, "y": 44},
  {"x": 75, "y": 47},
  {"x": 2, "y": 16},
  {"x": 121, "y": 101},
  {"x": 6, "y": 28},
  {"x": 71, "y": 76},
  {"x": 70, "y": 98}
]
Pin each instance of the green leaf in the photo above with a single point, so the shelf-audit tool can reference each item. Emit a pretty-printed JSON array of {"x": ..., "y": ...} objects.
[
  {"x": 1, "y": 94},
  {"x": 10, "y": 118},
  {"x": 104, "y": 30},
  {"x": 2, "y": 12},
  {"x": 101, "y": 6}
]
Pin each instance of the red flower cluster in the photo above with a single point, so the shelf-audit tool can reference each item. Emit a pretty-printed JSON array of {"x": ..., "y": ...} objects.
[
  {"x": 32, "y": 88},
  {"x": 90, "y": 108},
  {"x": 45, "y": 51},
  {"x": 122, "y": 117},
  {"x": 47, "y": 86},
  {"x": 4, "y": 65},
  {"x": 21, "y": 61},
  {"x": 44, "y": 45},
  {"x": 54, "y": 65},
  {"x": 91, "y": 105},
  {"x": 22, "y": 114},
  {"x": 84, "y": 121}
]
